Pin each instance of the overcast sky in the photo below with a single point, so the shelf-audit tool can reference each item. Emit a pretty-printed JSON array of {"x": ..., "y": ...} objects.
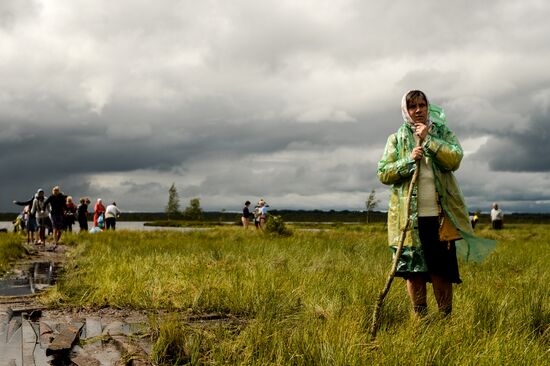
[{"x": 289, "y": 100}]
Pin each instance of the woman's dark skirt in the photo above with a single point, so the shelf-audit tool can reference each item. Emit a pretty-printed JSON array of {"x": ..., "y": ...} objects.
[{"x": 431, "y": 257}]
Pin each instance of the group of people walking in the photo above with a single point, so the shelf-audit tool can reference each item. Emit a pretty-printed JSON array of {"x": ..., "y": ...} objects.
[
  {"x": 259, "y": 215},
  {"x": 58, "y": 213}
]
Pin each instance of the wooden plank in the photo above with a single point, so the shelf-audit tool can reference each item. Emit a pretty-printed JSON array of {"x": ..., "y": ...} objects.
[
  {"x": 64, "y": 341},
  {"x": 85, "y": 361},
  {"x": 46, "y": 334}
]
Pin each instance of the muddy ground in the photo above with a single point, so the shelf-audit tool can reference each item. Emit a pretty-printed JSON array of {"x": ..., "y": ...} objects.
[{"x": 31, "y": 334}]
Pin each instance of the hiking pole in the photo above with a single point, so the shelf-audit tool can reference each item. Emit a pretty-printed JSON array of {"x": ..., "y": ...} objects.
[{"x": 391, "y": 275}]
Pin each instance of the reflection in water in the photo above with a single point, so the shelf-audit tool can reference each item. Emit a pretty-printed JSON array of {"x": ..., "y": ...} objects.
[
  {"x": 39, "y": 276},
  {"x": 42, "y": 277}
]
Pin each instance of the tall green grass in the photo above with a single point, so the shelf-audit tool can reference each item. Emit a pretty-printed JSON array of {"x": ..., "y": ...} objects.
[
  {"x": 11, "y": 249},
  {"x": 308, "y": 298}
]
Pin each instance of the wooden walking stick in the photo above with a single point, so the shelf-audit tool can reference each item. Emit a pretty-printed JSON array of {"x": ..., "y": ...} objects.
[{"x": 391, "y": 275}]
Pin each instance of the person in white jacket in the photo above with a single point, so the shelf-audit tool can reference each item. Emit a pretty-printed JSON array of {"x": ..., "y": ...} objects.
[
  {"x": 111, "y": 214},
  {"x": 42, "y": 212},
  {"x": 496, "y": 217}
]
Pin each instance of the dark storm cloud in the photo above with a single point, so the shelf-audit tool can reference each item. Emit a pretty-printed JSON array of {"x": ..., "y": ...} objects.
[
  {"x": 292, "y": 100},
  {"x": 59, "y": 155},
  {"x": 525, "y": 149}
]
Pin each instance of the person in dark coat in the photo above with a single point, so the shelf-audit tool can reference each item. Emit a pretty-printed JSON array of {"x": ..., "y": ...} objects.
[
  {"x": 70, "y": 215},
  {"x": 245, "y": 218},
  {"x": 58, "y": 206},
  {"x": 82, "y": 214}
]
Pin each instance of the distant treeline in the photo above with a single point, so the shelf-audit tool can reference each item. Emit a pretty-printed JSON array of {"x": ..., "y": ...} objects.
[
  {"x": 287, "y": 215},
  {"x": 309, "y": 216}
]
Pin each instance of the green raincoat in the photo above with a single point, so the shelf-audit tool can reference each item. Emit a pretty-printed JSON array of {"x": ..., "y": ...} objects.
[{"x": 396, "y": 168}]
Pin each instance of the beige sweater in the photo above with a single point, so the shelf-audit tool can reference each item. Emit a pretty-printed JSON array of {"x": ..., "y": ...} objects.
[{"x": 427, "y": 196}]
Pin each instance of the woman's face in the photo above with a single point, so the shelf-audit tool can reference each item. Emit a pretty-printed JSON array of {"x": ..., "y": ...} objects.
[{"x": 418, "y": 110}]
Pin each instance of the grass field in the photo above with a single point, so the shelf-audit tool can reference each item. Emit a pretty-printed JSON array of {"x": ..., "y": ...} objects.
[
  {"x": 307, "y": 299},
  {"x": 10, "y": 250}
]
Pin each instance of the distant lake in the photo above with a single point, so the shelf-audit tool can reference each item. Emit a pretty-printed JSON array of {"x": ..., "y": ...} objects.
[{"x": 126, "y": 225}]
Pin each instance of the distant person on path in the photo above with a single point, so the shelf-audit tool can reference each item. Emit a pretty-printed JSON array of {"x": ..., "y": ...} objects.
[
  {"x": 245, "y": 218},
  {"x": 82, "y": 214},
  {"x": 30, "y": 203},
  {"x": 497, "y": 217},
  {"x": 111, "y": 214},
  {"x": 30, "y": 223},
  {"x": 58, "y": 204},
  {"x": 42, "y": 213},
  {"x": 263, "y": 213},
  {"x": 70, "y": 214},
  {"x": 425, "y": 257},
  {"x": 99, "y": 210},
  {"x": 28, "y": 218}
]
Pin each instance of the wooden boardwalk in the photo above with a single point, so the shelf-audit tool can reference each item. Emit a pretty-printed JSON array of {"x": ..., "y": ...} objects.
[{"x": 33, "y": 336}]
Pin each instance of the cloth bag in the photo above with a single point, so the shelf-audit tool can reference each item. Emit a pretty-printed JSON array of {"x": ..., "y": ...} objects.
[{"x": 447, "y": 231}]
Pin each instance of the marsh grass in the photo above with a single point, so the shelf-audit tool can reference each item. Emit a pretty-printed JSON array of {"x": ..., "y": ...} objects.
[
  {"x": 11, "y": 249},
  {"x": 308, "y": 298}
]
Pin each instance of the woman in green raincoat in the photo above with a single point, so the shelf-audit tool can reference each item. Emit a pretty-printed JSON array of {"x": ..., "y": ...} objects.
[{"x": 425, "y": 258}]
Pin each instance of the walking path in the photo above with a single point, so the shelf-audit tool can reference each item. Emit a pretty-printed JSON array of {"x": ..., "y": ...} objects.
[{"x": 31, "y": 334}]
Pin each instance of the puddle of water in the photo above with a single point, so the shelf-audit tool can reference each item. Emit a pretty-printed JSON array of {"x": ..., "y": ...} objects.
[
  {"x": 14, "y": 287},
  {"x": 134, "y": 328},
  {"x": 37, "y": 277}
]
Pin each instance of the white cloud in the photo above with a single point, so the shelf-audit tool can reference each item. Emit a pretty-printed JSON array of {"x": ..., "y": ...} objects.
[{"x": 471, "y": 145}]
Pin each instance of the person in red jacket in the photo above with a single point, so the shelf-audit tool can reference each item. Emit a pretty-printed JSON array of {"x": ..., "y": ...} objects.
[{"x": 99, "y": 210}]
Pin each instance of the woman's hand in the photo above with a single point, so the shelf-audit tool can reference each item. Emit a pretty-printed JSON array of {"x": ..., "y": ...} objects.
[
  {"x": 417, "y": 153},
  {"x": 421, "y": 130}
]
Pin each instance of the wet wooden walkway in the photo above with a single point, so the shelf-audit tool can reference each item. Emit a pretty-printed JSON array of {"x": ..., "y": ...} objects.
[
  {"x": 33, "y": 336},
  {"x": 27, "y": 339}
]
